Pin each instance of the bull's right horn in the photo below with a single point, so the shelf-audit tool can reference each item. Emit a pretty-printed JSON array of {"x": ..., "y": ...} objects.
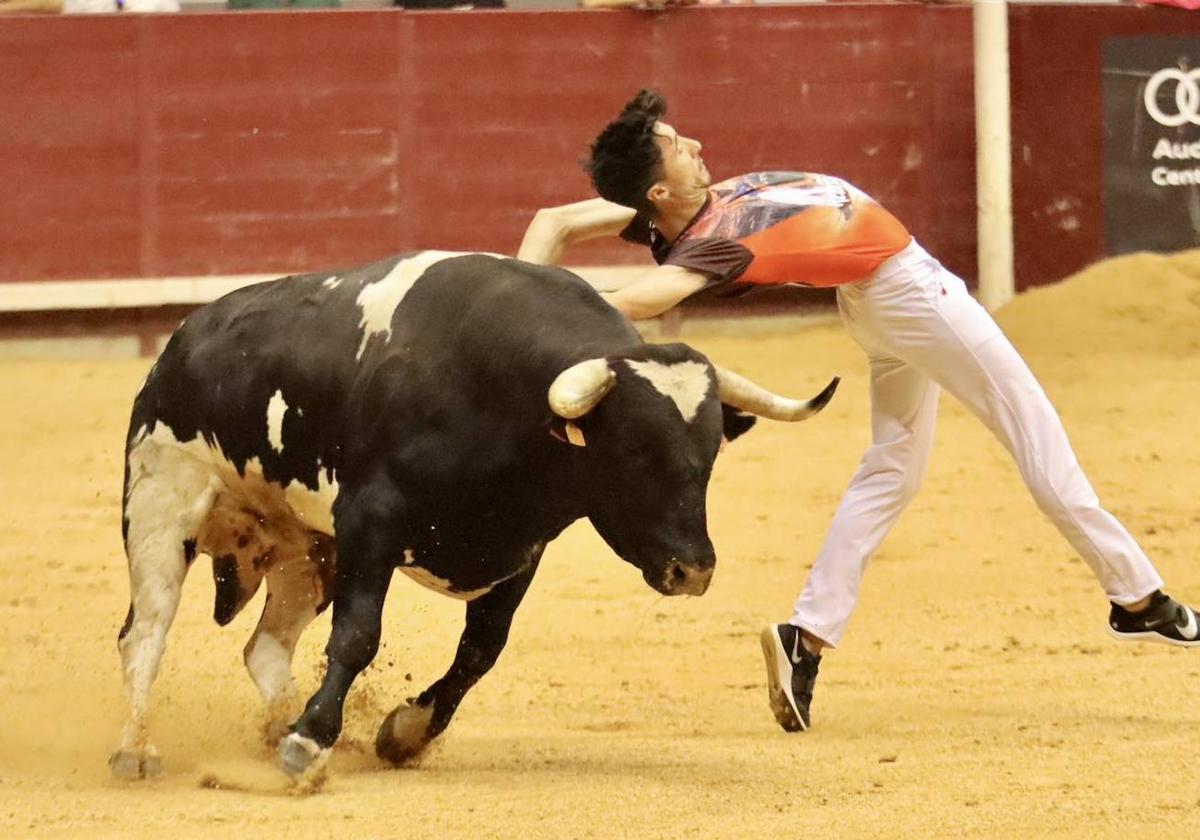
[
  {"x": 577, "y": 389},
  {"x": 742, "y": 394}
]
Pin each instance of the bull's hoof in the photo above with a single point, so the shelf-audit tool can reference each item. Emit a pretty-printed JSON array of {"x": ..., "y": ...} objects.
[
  {"x": 404, "y": 733},
  {"x": 302, "y": 757},
  {"x": 133, "y": 765}
]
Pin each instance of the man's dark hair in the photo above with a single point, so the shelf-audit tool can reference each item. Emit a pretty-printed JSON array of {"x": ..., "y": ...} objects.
[{"x": 625, "y": 159}]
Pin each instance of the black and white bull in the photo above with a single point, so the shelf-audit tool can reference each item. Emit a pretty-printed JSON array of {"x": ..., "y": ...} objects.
[{"x": 443, "y": 414}]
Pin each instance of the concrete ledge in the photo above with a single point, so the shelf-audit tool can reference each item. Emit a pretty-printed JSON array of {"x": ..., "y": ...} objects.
[
  {"x": 124, "y": 318},
  {"x": 171, "y": 291}
]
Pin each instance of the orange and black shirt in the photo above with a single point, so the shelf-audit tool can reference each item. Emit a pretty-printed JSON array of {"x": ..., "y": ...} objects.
[{"x": 776, "y": 228}]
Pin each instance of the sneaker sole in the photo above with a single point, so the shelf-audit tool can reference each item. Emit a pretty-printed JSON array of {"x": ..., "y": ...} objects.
[
  {"x": 1151, "y": 636},
  {"x": 779, "y": 682}
]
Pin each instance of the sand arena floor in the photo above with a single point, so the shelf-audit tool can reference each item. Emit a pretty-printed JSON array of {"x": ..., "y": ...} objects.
[{"x": 976, "y": 694}]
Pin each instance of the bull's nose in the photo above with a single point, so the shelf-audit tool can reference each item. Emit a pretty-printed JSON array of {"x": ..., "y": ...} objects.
[{"x": 686, "y": 580}]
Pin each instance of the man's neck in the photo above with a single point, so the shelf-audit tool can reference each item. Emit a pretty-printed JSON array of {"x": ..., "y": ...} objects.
[{"x": 672, "y": 218}]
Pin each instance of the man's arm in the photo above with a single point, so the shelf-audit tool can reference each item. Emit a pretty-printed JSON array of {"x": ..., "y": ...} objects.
[
  {"x": 652, "y": 294},
  {"x": 554, "y": 228},
  {"x": 656, "y": 291}
]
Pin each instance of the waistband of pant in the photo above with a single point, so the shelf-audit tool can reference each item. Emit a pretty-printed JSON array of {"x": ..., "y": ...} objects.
[{"x": 912, "y": 255}]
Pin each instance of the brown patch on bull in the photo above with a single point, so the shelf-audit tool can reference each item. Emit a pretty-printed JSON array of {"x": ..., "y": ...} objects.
[
  {"x": 263, "y": 561},
  {"x": 242, "y": 548},
  {"x": 255, "y": 515}
]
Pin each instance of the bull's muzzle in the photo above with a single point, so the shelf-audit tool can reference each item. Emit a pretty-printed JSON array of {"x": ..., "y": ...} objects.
[{"x": 681, "y": 579}]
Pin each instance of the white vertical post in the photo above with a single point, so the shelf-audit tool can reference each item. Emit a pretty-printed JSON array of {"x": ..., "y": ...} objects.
[{"x": 993, "y": 149}]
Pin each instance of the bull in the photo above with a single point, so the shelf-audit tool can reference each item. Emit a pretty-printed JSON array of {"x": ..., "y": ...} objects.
[{"x": 442, "y": 414}]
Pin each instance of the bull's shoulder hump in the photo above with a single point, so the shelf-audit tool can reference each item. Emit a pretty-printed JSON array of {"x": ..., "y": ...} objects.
[{"x": 381, "y": 296}]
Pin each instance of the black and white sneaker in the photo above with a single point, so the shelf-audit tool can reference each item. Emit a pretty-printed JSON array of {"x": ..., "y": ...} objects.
[
  {"x": 1165, "y": 620},
  {"x": 791, "y": 672}
]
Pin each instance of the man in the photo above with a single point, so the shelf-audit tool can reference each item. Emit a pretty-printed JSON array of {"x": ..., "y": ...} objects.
[{"x": 916, "y": 322}]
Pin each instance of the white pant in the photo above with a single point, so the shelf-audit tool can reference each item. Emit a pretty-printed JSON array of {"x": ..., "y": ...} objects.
[{"x": 922, "y": 331}]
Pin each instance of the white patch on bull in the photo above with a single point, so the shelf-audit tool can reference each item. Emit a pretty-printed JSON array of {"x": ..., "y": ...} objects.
[
  {"x": 431, "y": 581},
  {"x": 137, "y": 438},
  {"x": 276, "y": 409},
  {"x": 686, "y": 383},
  {"x": 379, "y": 300},
  {"x": 183, "y": 492},
  {"x": 331, "y": 282},
  {"x": 313, "y": 508},
  {"x": 270, "y": 664}
]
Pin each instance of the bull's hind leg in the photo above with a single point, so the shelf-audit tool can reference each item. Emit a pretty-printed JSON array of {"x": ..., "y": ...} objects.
[
  {"x": 167, "y": 496},
  {"x": 367, "y": 546},
  {"x": 409, "y": 728},
  {"x": 298, "y": 589}
]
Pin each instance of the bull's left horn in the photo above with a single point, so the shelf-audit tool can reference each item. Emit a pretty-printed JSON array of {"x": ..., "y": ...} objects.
[
  {"x": 742, "y": 394},
  {"x": 577, "y": 389}
]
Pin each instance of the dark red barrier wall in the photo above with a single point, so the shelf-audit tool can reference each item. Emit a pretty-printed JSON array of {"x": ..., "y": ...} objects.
[
  {"x": 263, "y": 142},
  {"x": 1058, "y": 128}
]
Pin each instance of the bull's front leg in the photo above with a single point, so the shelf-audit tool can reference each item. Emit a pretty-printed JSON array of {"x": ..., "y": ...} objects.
[
  {"x": 410, "y": 727},
  {"x": 357, "y": 616}
]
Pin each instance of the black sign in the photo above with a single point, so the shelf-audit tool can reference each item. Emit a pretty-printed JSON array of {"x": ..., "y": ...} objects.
[{"x": 1151, "y": 144}]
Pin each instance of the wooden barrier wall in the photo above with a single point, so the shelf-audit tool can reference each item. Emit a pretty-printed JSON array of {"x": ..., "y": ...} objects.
[
  {"x": 272, "y": 142},
  {"x": 269, "y": 142}
]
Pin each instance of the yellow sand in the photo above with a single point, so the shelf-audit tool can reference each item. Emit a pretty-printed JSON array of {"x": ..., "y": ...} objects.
[{"x": 975, "y": 695}]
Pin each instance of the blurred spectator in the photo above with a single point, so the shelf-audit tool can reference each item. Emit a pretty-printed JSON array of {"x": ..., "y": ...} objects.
[
  {"x": 12, "y": 7},
  {"x": 448, "y": 4},
  {"x": 657, "y": 4},
  {"x": 284, "y": 4},
  {"x": 87, "y": 7}
]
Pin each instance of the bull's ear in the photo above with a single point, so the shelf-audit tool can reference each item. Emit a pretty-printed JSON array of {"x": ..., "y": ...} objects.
[{"x": 735, "y": 423}]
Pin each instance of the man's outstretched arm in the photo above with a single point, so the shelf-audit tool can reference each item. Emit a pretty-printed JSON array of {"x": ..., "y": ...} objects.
[
  {"x": 554, "y": 228},
  {"x": 656, "y": 291}
]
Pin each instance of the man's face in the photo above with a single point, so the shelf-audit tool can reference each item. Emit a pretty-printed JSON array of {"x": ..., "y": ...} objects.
[{"x": 684, "y": 172}]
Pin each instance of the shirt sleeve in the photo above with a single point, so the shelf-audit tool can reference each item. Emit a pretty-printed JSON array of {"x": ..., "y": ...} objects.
[
  {"x": 638, "y": 231},
  {"x": 723, "y": 261}
]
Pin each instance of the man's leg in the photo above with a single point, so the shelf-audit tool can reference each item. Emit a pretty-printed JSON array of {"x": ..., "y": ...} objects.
[
  {"x": 903, "y": 416},
  {"x": 967, "y": 354},
  {"x": 975, "y": 362}
]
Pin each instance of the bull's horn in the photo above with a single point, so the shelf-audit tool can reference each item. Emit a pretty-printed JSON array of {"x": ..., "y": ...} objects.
[
  {"x": 577, "y": 389},
  {"x": 742, "y": 394}
]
